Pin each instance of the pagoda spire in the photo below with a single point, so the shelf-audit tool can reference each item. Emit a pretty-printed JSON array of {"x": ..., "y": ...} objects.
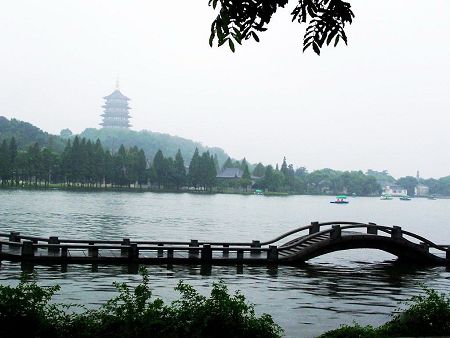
[{"x": 117, "y": 82}]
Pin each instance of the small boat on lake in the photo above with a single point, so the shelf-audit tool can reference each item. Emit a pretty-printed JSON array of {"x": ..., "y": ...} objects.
[
  {"x": 405, "y": 198},
  {"x": 431, "y": 198},
  {"x": 386, "y": 197},
  {"x": 340, "y": 199}
]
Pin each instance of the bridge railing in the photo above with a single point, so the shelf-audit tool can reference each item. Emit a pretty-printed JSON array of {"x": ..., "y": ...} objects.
[
  {"x": 314, "y": 227},
  {"x": 313, "y": 230},
  {"x": 28, "y": 249},
  {"x": 372, "y": 228},
  {"x": 254, "y": 243},
  {"x": 16, "y": 236}
]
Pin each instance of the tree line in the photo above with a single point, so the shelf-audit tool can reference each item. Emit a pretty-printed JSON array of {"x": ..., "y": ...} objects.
[
  {"x": 88, "y": 164},
  {"x": 82, "y": 163}
]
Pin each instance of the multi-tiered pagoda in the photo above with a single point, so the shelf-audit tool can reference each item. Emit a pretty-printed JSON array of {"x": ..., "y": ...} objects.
[{"x": 115, "y": 113}]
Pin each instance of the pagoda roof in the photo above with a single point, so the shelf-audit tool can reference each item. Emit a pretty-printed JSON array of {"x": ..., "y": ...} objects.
[{"x": 116, "y": 95}]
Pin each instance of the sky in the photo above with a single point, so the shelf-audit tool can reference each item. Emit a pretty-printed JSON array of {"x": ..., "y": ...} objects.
[{"x": 381, "y": 103}]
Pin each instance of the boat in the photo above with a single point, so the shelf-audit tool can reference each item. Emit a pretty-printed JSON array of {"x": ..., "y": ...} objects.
[
  {"x": 386, "y": 197},
  {"x": 405, "y": 198},
  {"x": 340, "y": 199},
  {"x": 432, "y": 198},
  {"x": 259, "y": 192}
]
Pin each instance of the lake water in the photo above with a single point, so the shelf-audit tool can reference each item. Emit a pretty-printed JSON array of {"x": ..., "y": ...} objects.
[{"x": 358, "y": 285}]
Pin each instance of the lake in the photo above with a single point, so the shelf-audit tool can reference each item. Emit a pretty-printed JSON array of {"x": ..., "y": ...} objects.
[{"x": 357, "y": 285}]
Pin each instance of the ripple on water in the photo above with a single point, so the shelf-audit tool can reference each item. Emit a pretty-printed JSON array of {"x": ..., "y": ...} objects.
[{"x": 362, "y": 285}]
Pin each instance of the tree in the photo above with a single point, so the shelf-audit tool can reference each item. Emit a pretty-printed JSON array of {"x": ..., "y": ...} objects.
[
  {"x": 194, "y": 169},
  {"x": 159, "y": 168},
  {"x": 284, "y": 167},
  {"x": 259, "y": 170},
  {"x": 4, "y": 162},
  {"x": 228, "y": 164},
  {"x": 180, "y": 170},
  {"x": 141, "y": 166},
  {"x": 246, "y": 179},
  {"x": 12, "y": 159},
  {"x": 273, "y": 179},
  {"x": 241, "y": 20},
  {"x": 409, "y": 183},
  {"x": 65, "y": 133},
  {"x": 207, "y": 171}
]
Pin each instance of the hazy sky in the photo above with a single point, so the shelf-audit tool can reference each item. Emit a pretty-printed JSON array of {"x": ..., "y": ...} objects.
[{"x": 383, "y": 102}]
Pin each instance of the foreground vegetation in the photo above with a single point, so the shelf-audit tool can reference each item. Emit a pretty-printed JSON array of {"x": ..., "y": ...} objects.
[
  {"x": 26, "y": 311},
  {"x": 427, "y": 315}
]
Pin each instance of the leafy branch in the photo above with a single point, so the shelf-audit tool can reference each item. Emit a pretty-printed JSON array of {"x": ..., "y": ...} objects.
[{"x": 242, "y": 20}]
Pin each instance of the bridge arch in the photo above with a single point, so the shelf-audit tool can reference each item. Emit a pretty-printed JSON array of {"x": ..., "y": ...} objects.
[{"x": 344, "y": 237}]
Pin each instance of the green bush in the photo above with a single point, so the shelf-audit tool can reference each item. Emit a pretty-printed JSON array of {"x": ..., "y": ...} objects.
[
  {"x": 25, "y": 311},
  {"x": 427, "y": 315}
]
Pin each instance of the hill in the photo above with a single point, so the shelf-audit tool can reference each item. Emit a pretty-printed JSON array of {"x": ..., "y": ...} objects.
[
  {"x": 151, "y": 142},
  {"x": 26, "y": 134}
]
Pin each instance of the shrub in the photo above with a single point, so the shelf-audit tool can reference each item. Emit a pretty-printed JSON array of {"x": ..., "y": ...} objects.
[
  {"x": 25, "y": 311},
  {"x": 427, "y": 315}
]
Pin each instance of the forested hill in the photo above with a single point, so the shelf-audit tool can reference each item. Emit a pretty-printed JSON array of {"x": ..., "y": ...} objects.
[
  {"x": 26, "y": 134},
  {"x": 151, "y": 142}
]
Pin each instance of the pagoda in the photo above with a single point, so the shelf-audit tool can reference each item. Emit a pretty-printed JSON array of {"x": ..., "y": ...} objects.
[{"x": 116, "y": 108}]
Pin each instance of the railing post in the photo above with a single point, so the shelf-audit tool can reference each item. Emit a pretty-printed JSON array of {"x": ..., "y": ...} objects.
[
  {"x": 91, "y": 245},
  {"x": 272, "y": 254},
  {"x": 206, "y": 253},
  {"x": 133, "y": 251},
  {"x": 53, "y": 240},
  {"x": 93, "y": 251},
  {"x": 425, "y": 247},
  {"x": 240, "y": 255},
  {"x": 372, "y": 229},
  {"x": 170, "y": 253},
  {"x": 255, "y": 244},
  {"x": 314, "y": 228},
  {"x": 64, "y": 251},
  {"x": 160, "y": 251},
  {"x": 335, "y": 232},
  {"x": 125, "y": 242},
  {"x": 14, "y": 236},
  {"x": 27, "y": 249},
  {"x": 35, "y": 241},
  {"x": 225, "y": 251},
  {"x": 193, "y": 252},
  {"x": 396, "y": 232}
]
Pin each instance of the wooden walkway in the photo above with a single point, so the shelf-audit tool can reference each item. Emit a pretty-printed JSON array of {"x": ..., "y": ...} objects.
[{"x": 292, "y": 248}]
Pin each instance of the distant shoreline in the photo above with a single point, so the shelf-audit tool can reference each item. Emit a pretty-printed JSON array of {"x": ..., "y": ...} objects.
[{"x": 58, "y": 187}]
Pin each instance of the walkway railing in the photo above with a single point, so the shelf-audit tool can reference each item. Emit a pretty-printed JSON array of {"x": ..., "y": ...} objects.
[{"x": 53, "y": 248}]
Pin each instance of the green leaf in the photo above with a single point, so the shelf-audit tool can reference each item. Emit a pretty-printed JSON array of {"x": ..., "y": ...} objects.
[
  {"x": 255, "y": 37},
  {"x": 336, "y": 41},
  {"x": 316, "y": 48},
  {"x": 231, "y": 45}
]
